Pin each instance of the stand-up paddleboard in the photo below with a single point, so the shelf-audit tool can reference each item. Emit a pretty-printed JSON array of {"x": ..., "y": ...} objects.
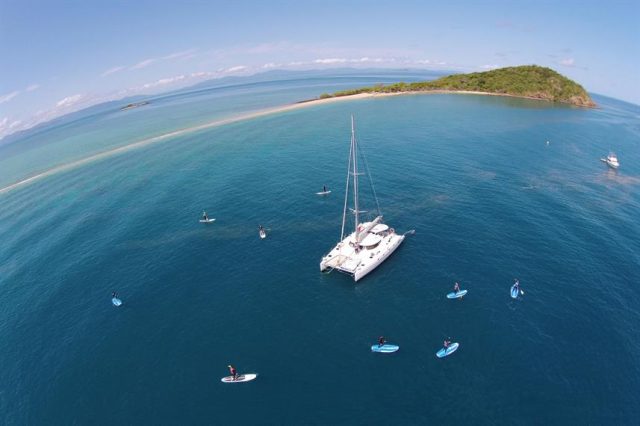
[
  {"x": 263, "y": 234},
  {"x": 323, "y": 193},
  {"x": 116, "y": 301},
  {"x": 385, "y": 349},
  {"x": 514, "y": 292},
  {"x": 241, "y": 378},
  {"x": 446, "y": 352},
  {"x": 210, "y": 220},
  {"x": 456, "y": 294}
]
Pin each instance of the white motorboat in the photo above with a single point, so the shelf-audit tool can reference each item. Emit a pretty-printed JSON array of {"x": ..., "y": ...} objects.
[
  {"x": 370, "y": 243},
  {"x": 611, "y": 160}
]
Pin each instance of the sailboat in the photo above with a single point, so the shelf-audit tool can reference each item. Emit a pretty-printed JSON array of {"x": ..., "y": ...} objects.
[{"x": 370, "y": 243}]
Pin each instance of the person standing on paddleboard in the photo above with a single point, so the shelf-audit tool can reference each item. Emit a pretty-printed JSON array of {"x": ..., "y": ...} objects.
[
  {"x": 381, "y": 341},
  {"x": 446, "y": 344},
  {"x": 204, "y": 216},
  {"x": 456, "y": 287},
  {"x": 233, "y": 372},
  {"x": 516, "y": 283}
]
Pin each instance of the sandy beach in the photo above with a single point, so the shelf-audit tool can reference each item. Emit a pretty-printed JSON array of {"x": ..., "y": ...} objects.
[{"x": 222, "y": 122}]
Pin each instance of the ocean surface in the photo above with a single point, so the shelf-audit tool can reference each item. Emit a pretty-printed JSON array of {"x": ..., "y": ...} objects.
[{"x": 489, "y": 200}]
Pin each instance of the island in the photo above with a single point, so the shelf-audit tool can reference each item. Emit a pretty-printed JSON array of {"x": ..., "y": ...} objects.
[
  {"x": 134, "y": 105},
  {"x": 526, "y": 81}
]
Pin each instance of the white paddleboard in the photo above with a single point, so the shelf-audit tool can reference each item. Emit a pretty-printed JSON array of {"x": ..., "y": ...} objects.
[
  {"x": 116, "y": 301},
  {"x": 207, "y": 220},
  {"x": 451, "y": 349},
  {"x": 241, "y": 378},
  {"x": 456, "y": 294},
  {"x": 323, "y": 192},
  {"x": 263, "y": 234}
]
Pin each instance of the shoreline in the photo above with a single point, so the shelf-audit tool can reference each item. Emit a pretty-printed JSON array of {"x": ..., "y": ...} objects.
[
  {"x": 453, "y": 92},
  {"x": 231, "y": 120}
]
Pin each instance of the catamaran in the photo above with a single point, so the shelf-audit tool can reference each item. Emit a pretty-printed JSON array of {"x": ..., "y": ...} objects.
[{"x": 370, "y": 243}]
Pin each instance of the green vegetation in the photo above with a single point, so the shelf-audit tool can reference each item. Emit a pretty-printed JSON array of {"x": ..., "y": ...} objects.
[{"x": 529, "y": 81}]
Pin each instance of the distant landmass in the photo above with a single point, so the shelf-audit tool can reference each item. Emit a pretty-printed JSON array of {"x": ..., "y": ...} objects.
[
  {"x": 134, "y": 105},
  {"x": 527, "y": 81}
]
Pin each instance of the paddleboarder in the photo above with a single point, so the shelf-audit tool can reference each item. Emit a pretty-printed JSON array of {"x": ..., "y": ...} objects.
[
  {"x": 456, "y": 287},
  {"x": 233, "y": 372},
  {"x": 381, "y": 341}
]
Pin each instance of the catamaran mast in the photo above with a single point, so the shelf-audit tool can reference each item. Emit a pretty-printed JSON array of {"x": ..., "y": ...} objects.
[
  {"x": 355, "y": 176},
  {"x": 346, "y": 190}
]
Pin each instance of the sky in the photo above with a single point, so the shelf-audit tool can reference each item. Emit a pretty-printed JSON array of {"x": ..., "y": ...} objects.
[{"x": 59, "y": 56}]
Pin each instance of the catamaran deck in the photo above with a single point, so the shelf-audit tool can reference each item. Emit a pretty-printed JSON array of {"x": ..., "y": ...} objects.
[{"x": 357, "y": 259}]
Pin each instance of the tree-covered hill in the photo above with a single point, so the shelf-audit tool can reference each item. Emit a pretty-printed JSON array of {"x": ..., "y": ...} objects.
[{"x": 530, "y": 81}]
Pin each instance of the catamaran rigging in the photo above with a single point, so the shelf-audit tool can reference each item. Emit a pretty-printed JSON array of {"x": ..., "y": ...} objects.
[{"x": 371, "y": 242}]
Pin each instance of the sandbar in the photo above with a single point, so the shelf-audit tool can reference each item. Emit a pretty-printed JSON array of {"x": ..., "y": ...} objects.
[{"x": 218, "y": 123}]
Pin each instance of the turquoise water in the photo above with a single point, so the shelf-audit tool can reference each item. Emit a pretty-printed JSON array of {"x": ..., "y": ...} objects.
[{"x": 489, "y": 201}]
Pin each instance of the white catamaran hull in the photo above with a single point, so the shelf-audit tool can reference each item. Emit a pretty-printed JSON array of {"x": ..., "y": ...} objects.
[
  {"x": 345, "y": 258},
  {"x": 370, "y": 243}
]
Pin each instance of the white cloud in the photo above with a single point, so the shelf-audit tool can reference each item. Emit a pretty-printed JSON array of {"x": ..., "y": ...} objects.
[
  {"x": 164, "y": 81},
  {"x": 201, "y": 74},
  {"x": 235, "y": 69},
  {"x": 490, "y": 67},
  {"x": 330, "y": 61},
  {"x": 32, "y": 87},
  {"x": 270, "y": 65},
  {"x": 7, "y": 127},
  {"x": 69, "y": 101},
  {"x": 364, "y": 59},
  {"x": 143, "y": 64},
  {"x": 367, "y": 59},
  {"x": 423, "y": 61},
  {"x": 8, "y": 96},
  {"x": 112, "y": 70},
  {"x": 185, "y": 54},
  {"x": 567, "y": 62}
]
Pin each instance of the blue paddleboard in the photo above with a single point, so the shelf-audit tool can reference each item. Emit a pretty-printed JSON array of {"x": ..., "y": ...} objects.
[
  {"x": 451, "y": 349},
  {"x": 116, "y": 301},
  {"x": 385, "y": 349},
  {"x": 456, "y": 294},
  {"x": 514, "y": 292}
]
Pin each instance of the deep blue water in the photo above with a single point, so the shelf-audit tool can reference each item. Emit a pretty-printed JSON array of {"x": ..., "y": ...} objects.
[{"x": 489, "y": 201}]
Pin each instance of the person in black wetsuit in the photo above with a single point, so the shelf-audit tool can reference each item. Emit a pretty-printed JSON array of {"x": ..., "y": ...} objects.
[{"x": 446, "y": 344}]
